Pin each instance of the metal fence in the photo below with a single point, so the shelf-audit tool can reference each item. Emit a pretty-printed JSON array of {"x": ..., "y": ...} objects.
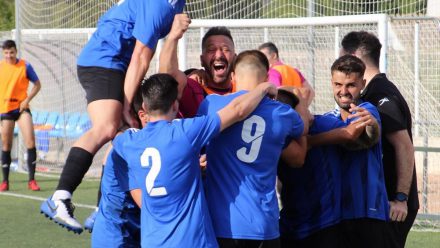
[{"x": 52, "y": 34}]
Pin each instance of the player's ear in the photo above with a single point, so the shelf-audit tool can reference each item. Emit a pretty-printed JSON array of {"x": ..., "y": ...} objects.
[
  {"x": 233, "y": 76},
  {"x": 364, "y": 81}
]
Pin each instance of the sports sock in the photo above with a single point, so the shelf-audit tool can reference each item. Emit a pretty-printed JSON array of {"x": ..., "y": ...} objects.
[
  {"x": 32, "y": 162},
  {"x": 6, "y": 162},
  {"x": 61, "y": 194},
  {"x": 77, "y": 164}
]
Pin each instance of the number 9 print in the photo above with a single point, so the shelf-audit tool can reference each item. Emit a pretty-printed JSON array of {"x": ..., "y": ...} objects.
[{"x": 253, "y": 138}]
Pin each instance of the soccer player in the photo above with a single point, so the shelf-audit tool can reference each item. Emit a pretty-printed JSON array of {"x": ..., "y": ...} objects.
[
  {"x": 117, "y": 222},
  {"x": 398, "y": 150},
  {"x": 15, "y": 75},
  {"x": 290, "y": 76},
  {"x": 364, "y": 205},
  {"x": 114, "y": 61},
  {"x": 218, "y": 54},
  {"x": 164, "y": 163},
  {"x": 142, "y": 118},
  {"x": 242, "y": 161},
  {"x": 311, "y": 195}
]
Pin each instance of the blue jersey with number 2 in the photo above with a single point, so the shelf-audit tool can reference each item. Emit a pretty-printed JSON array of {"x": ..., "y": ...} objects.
[{"x": 163, "y": 161}]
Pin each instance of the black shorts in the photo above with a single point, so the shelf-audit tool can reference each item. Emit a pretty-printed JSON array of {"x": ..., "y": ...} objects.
[
  {"x": 398, "y": 231},
  {"x": 13, "y": 115},
  {"x": 328, "y": 237},
  {"x": 248, "y": 243},
  {"x": 364, "y": 233},
  {"x": 101, "y": 83}
]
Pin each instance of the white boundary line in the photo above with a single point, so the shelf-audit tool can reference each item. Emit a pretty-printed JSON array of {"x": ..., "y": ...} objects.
[{"x": 41, "y": 199}]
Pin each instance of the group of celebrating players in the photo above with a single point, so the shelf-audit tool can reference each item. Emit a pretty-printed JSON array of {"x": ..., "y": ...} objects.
[{"x": 202, "y": 170}]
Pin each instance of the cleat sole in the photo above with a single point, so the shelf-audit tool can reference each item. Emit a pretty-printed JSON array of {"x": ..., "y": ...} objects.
[{"x": 62, "y": 225}]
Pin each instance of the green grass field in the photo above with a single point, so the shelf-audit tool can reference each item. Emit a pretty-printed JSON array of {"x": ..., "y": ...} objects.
[{"x": 22, "y": 225}]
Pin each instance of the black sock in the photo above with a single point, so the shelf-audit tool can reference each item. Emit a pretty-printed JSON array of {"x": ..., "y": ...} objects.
[
  {"x": 77, "y": 164},
  {"x": 99, "y": 189},
  {"x": 6, "y": 162},
  {"x": 32, "y": 162}
]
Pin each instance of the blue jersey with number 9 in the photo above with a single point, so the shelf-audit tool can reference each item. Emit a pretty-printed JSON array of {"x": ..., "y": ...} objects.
[
  {"x": 242, "y": 165},
  {"x": 163, "y": 161}
]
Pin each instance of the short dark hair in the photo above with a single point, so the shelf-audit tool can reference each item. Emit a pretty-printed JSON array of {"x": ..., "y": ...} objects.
[
  {"x": 137, "y": 101},
  {"x": 159, "y": 92},
  {"x": 251, "y": 56},
  {"x": 219, "y": 30},
  {"x": 189, "y": 71},
  {"x": 367, "y": 43},
  {"x": 287, "y": 97},
  {"x": 269, "y": 46},
  {"x": 8, "y": 44},
  {"x": 349, "y": 64},
  {"x": 137, "y": 105}
]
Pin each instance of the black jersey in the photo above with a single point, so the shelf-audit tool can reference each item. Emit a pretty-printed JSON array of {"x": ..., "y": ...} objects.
[{"x": 395, "y": 115}]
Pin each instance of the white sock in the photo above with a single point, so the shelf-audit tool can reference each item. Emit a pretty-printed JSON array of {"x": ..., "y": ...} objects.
[{"x": 61, "y": 194}]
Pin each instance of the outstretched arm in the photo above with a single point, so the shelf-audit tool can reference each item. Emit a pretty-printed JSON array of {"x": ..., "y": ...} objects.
[
  {"x": 360, "y": 134},
  {"x": 140, "y": 61},
  {"x": 168, "y": 62},
  {"x": 239, "y": 108}
]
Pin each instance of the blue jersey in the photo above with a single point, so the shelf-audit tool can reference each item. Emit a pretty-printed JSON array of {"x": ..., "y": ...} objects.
[
  {"x": 363, "y": 184},
  {"x": 311, "y": 195},
  {"x": 242, "y": 165},
  {"x": 163, "y": 162},
  {"x": 30, "y": 73},
  {"x": 112, "y": 44},
  {"x": 117, "y": 223}
]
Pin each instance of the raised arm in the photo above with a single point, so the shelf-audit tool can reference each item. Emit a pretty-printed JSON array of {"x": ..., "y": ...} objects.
[
  {"x": 168, "y": 62},
  {"x": 302, "y": 108},
  {"x": 239, "y": 108},
  {"x": 138, "y": 67},
  {"x": 306, "y": 85}
]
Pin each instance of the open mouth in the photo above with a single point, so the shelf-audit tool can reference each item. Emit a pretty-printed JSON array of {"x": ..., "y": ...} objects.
[{"x": 219, "y": 67}]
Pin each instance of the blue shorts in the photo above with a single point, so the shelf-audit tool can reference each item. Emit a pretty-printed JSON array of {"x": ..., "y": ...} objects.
[{"x": 14, "y": 115}]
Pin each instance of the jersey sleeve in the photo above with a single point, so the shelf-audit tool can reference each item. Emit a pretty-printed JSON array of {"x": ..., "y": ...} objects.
[
  {"x": 153, "y": 21},
  {"x": 121, "y": 170},
  {"x": 392, "y": 117},
  {"x": 200, "y": 130},
  {"x": 297, "y": 125},
  {"x": 30, "y": 73},
  {"x": 127, "y": 174},
  {"x": 370, "y": 108},
  {"x": 203, "y": 108},
  {"x": 324, "y": 123}
]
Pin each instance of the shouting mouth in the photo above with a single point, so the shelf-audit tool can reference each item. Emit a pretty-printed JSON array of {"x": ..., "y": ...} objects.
[{"x": 219, "y": 68}]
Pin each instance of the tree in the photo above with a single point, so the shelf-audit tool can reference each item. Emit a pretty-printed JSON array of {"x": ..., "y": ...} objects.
[{"x": 7, "y": 15}]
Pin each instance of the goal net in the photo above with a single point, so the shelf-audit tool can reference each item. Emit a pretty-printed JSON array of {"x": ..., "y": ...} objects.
[{"x": 307, "y": 33}]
